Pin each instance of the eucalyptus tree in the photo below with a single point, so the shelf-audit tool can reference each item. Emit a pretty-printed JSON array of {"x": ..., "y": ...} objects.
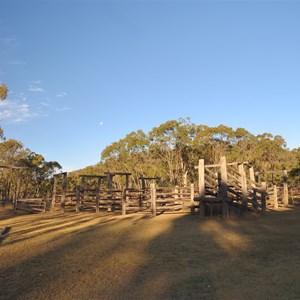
[
  {"x": 171, "y": 144},
  {"x": 36, "y": 174},
  {"x": 130, "y": 154}
]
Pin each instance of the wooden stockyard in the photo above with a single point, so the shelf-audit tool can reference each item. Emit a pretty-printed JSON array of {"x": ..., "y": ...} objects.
[{"x": 224, "y": 189}]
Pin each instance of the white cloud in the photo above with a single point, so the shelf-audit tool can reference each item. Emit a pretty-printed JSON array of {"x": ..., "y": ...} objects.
[
  {"x": 35, "y": 89},
  {"x": 64, "y": 108},
  {"x": 36, "y": 81},
  {"x": 45, "y": 104},
  {"x": 61, "y": 94},
  {"x": 101, "y": 123},
  {"x": 14, "y": 112}
]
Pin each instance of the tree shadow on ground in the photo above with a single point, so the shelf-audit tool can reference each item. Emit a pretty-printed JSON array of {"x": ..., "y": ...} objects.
[{"x": 164, "y": 257}]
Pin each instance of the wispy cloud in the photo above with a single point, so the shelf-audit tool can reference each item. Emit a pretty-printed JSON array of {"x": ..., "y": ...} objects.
[
  {"x": 14, "y": 112},
  {"x": 45, "y": 104},
  {"x": 61, "y": 94},
  {"x": 35, "y": 89},
  {"x": 36, "y": 81},
  {"x": 17, "y": 62},
  {"x": 64, "y": 108},
  {"x": 8, "y": 42}
]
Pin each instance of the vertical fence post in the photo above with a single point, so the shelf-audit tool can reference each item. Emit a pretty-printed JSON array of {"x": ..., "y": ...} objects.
[
  {"x": 81, "y": 193},
  {"x": 77, "y": 198},
  {"x": 54, "y": 192},
  {"x": 17, "y": 192},
  {"x": 63, "y": 195},
  {"x": 98, "y": 194},
  {"x": 263, "y": 196},
  {"x": 176, "y": 192},
  {"x": 285, "y": 190},
  {"x": 275, "y": 198},
  {"x": 124, "y": 201},
  {"x": 201, "y": 183},
  {"x": 224, "y": 186},
  {"x": 153, "y": 199},
  {"x": 243, "y": 182},
  {"x": 192, "y": 198}
]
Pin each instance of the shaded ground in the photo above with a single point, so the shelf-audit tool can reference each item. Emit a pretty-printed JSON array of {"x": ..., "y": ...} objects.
[{"x": 90, "y": 256}]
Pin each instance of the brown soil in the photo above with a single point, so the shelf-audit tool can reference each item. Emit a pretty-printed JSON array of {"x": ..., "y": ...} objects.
[{"x": 179, "y": 256}]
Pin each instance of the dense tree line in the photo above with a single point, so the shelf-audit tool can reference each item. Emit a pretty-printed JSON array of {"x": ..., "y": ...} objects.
[
  {"x": 172, "y": 150},
  {"x": 22, "y": 169}
]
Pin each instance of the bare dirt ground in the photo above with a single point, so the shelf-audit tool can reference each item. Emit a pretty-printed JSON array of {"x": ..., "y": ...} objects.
[{"x": 179, "y": 256}]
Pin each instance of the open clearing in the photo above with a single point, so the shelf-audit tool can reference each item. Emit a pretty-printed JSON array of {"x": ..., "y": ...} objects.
[{"x": 171, "y": 256}]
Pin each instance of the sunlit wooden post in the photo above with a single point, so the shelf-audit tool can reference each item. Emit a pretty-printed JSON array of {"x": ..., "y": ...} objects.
[
  {"x": 192, "y": 198},
  {"x": 153, "y": 199},
  {"x": 54, "y": 192},
  {"x": 285, "y": 190},
  {"x": 201, "y": 186},
  {"x": 77, "y": 199},
  {"x": 176, "y": 192},
  {"x": 243, "y": 182},
  {"x": 64, "y": 188},
  {"x": 224, "y": 186},
  {"x": 275, "y": 198}
]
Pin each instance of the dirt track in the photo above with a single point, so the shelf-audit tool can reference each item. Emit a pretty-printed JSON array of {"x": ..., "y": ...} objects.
[{"x": 90, "y": 256}]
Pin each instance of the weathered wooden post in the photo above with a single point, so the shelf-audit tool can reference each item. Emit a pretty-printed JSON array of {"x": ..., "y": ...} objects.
[
  {"x": 285, "y": 190},
  {"x": 153, "y": 199},
  {"x": 124, "y": 201},
  {"x": 263, "y": 196},
  {"x": 98, "y": 194},
  {"x": 176, "y": 192},
  {"x": 224, "y": 186},
  {"x": 192, "y": 198},
  {"x": 77, "y": 199},
  {"x": 275, "y": 198},
  {"x": 243, "y": 182},
  {"x": 17, "y": 192},
  {"x": 253, "y": 186},
  {"x": 54, "y": 192},
  {"x": 201, "y": 183},
  {"x": 110, "y": 193},
  {"x": 64, "y": 188},
  {"x": 127, "y": 181}
]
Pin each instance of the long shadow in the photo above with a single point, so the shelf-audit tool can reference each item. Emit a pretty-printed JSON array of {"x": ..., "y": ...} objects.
[
  {"x": 166, "y": 257},
  {"x": 4, "y": 233},
  {"x": 242, "y": 258}
]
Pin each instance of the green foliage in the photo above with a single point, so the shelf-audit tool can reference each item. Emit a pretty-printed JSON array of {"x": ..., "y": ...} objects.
[
  {"x": 3, "y": 91},
  {"x": 172, "y": 150},
  {"x": 35, "y": 172}
]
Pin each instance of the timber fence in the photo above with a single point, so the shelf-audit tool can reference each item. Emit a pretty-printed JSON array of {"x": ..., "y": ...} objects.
[{"x": 223, "y": 189}]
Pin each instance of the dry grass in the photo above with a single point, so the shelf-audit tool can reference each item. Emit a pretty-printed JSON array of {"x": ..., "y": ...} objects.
[{"x": 91, "y": 256}]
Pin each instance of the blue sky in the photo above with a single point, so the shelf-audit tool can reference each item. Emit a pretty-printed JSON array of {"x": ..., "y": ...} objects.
[{"x": 83, "y": 74}]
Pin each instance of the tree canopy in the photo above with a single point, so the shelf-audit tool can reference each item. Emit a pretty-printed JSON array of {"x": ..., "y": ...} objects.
[
  {"x": 172, "y": 150},
  {"x": 3, "y": 91}
]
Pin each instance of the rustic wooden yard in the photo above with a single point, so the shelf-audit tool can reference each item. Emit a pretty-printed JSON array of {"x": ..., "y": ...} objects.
[{"x": 171, "y": 256}]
